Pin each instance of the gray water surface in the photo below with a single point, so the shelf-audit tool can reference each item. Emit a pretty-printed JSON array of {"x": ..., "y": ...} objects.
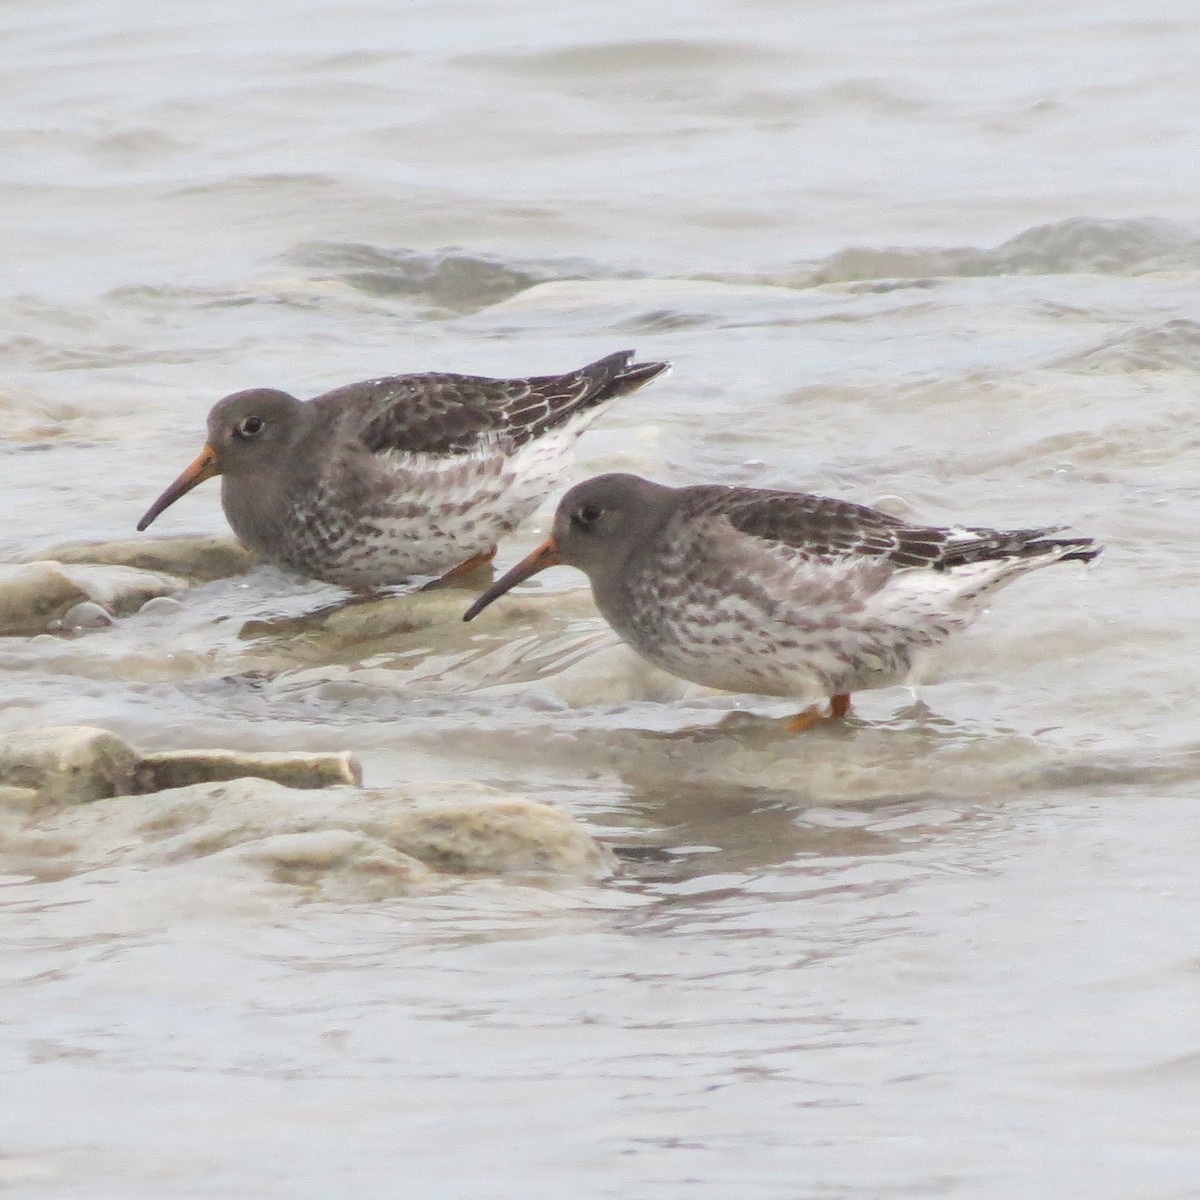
[{"x": 939, "y": 256}]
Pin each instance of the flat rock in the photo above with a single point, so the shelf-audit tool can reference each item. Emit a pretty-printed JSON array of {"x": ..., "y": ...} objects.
[
  {"x": 197, "y": 558},
  {"x": 181, "y": 768},
  {"x": 342, "y": 843},
  {"x": 73, "y": 764}
]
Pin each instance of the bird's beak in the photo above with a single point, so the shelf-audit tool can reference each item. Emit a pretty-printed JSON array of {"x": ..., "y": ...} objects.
[
  {"x": 546, "y": 555},
  {"x": 205, "y": 467}
]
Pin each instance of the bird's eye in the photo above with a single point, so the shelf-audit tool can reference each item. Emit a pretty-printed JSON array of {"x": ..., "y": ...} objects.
[
  {"x": 249, "y": 427},
  {"x": 586, "y": 517}
]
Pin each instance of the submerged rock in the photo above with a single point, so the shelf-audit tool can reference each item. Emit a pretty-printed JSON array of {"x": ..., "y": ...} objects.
[
  {"x": 340, "y": 863},
  {"x": 494, "y": 834},
  {"x": 67, "y": 765},
  {"x": 88, "y": 615},
  {"x": 197, "y": 558},
  {"x": 33, "y": 596},
  {"x": 261, "y": 812},
  {"x": 345, "y": 843},
  {"x": 41, "y": 596},
  {"x": 180, "y": 768},
  {"x": 73, "y": 764},
  {"x": 17, "y": 799}
]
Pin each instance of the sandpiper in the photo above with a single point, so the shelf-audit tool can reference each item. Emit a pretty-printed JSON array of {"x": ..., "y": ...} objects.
[
  {"x": 775, "y": 592},
  {"x": 376, "y": 482}
]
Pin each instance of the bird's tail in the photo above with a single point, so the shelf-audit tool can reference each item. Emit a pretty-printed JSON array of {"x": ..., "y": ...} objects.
[
  {"x": 1080, "y": 549},
  {"x": 992, "y": 545}
]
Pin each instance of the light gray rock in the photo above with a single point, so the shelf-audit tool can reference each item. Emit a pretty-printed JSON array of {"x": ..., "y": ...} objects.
[
  {"x": 344, "y": 843},
  {"x": 17, "y": 799},
  {"x": 184, "y": 807},
  {"x": 180, "y": 768},
  {"x": 86, "y": 615},
  {"x": 121, "y": 590},
  {"x": 34, "y": 596},
  {"x": 38, "y": 597},
  {"x": 160, "y": 606},
  {"x": 341, "y": 863},
  {"x": 488, "y": 833},
  {"x": 75, "y": 763},
  {"x": 70, "y": 764},
  {"x": 195, "y": 558}
]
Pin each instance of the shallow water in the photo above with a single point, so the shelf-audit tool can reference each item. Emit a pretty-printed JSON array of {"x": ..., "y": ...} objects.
[{"x": 937, "y": 256}]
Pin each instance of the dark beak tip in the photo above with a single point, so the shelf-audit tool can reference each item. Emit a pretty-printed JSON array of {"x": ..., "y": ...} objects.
[
  {"x": 481, "y": 602},
  {"x": 546, "y": 555}
]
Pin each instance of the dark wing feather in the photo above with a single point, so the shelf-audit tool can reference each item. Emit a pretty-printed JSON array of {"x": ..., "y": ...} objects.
[
  {"x": 823, "y": 528},
  {"x": 444, "y": 414}
]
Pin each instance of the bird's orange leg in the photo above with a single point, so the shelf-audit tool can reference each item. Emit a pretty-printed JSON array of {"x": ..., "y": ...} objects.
[
  {"x": 839, "y": 706},
  {"x": 453, "y": 575}
]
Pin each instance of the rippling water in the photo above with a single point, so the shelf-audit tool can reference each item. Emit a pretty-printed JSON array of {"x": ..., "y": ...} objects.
[{"x": 938, "y": 256}]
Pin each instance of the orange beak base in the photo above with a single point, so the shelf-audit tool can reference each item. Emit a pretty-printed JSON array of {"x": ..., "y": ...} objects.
[
  {"x": 546, "y": 555},
  {"x": 205, "y": 467}
]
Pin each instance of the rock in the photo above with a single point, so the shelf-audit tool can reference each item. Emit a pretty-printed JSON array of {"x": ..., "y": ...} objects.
[
  {"x": 166, "y": 809},
  {"x": 70, "y": 764},
  {"x": 341, "y": 863},
  {"x": 86, "y": 615},
  {"x": 37, "y": 597},
  {"x": 195, "y": 558},
  {"x": 452, "y": 828},
  {"x": 160, "y": 606},
  {"x": 17, "y": 799},
  {"x": 180, "y": 768},
  {"x": 74, "y": 764},
  {"x": 122, "y": 590},
  {"x": 343, "y": 843},
  {"x": 358, "y": 621},
  {"x": 494, "y": 834},
  {"x": 34, "y": 596}
]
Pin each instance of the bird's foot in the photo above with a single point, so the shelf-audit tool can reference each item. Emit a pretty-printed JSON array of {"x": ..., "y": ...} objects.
[
  {"x": 839, "y": 706},
  {"x": 466, "y": 574}
]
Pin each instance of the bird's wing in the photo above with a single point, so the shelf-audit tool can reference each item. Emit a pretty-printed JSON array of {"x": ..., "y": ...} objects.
[
  {"x": 444, "y": 414},
  {"x": 797, "y": 525}
]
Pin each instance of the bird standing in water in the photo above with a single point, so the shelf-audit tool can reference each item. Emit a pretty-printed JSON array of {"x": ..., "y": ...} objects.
[
  {"x": 409, "y": 475},
  {"x": 774, "y": 592}
]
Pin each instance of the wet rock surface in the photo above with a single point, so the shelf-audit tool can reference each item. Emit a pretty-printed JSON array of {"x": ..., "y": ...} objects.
[
  {"x": 74, "y": 764},
  {"x": 197, "y": 558},
  {"x": 67, "y": 765},
  {"x": 75, "y": 798},
  {"x": 344, "y": 843},
  {"x": 181, "y": 768},
  {"x": 46, "y": 595}
]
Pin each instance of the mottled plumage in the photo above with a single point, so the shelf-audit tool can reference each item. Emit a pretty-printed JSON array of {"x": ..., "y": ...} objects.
[
  {"x": 778, "y": 593},
  {"x": 373, "y": 483}
]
